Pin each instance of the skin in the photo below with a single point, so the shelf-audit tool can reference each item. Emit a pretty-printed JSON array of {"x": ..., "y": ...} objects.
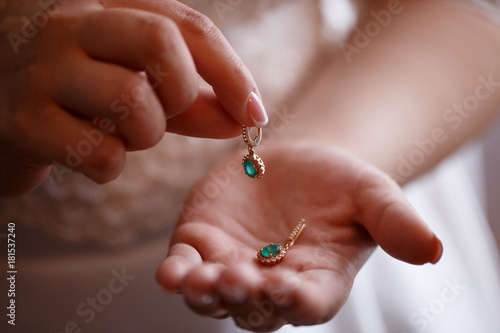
[
  {"x": 394, "y": 92},
  {"x": 349, "y": 207},
  {"x": 64, "y": 80},
  {"x": 398, "y": 88}
]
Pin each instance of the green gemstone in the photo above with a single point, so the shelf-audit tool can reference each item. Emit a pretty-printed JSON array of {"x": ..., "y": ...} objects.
[
  {"x": 270, "y": 250},
  {"x": 250, "y": 169}
]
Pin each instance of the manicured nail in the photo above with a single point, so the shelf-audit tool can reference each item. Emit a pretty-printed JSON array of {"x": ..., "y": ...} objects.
[
  {"x": 256, "y": 110},
  {"x": 439, "y": 253}
]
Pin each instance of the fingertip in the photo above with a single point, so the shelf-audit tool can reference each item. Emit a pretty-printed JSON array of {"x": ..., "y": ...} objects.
[
  {"x": 239, "y": 283},
  {"x": 171, "y": 273},
  {"x": 392, "y": 221},
  {"x": 181, "y": 259},
  {"x": 438, "y": 251},
  {"x": 199, "y": 290},
  {"x": 282, "y": 286},
  {"x": 106, "y": 161},
  {"x": 404, "y": 235},
  {"x": 202, "y": 276},
  {"x": 256, "y": 110}
]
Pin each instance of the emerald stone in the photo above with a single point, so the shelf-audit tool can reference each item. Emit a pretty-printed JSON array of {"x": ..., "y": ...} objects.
[
  {"x": 270, "y": 250},
  {"x": 250, "y": 169}
]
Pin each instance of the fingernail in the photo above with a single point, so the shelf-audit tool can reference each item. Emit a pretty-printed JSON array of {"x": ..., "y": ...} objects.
[
  {"x": 439, "y": 253},
  {"x": 202, "y": 300},
  {"x": 256, "y": 110}
]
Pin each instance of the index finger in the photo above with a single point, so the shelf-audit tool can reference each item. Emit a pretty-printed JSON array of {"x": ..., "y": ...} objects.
[{"x": 215, "y": 59}]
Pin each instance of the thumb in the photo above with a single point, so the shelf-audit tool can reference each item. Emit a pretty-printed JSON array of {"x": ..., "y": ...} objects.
[
  {"x": 205, "y": 118},
  {"x": 393, "y": 223}
]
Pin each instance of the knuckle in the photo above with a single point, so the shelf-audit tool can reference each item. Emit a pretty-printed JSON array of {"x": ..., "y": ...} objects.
[
  {"x": 161, "y": 33},
  {"x": 156, "y": 133},
  {"x": 186, "y": 96},
  {"x": 134, "y": 89},
  {"x": 107, "y": 161},
  {"x": 148, "y": 137},
  {"x": 182, "y": 95},
  {"x": 238, "y": 69},
  {"x": 198, "y": 24},
  {"x": 135, "y": 80}
]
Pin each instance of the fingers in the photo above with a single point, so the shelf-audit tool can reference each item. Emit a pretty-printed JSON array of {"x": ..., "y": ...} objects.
[
  {"x": 282, "y": 296},
  {"x": 181, "y": 259},
  {"x": 315, "y": 296},
  {"x": 183, "y": 270},
  {"x": 243, "y": 290},
  {"x": 258, "y": 300},
  {"x": 216, "y": 291},
  {"x": 219, "y": 65},
  {"x": 393, "y": 223},
  {"x": 199, "y": 290},
  {"x": 264, "y": 300},
  {"x": 215, "y": 60},
  {"x": 113, "y": 94},
  {"x": 147, "y": 42},
  {"x": 205, "y": 118},
  {"x": 240, "y": 283},
  {"x": 54, "y": 135}
]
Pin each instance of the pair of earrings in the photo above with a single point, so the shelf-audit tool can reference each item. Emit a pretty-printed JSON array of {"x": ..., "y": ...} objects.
[{"x": 254, "y": 167}]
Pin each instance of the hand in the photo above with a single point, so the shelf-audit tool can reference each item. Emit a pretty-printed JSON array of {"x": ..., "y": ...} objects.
[
  {"x": 81, "y": 84},
  {"x": 349, "y": 207}
]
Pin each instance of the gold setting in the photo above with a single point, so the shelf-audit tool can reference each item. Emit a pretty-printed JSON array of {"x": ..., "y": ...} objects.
[
  {"x": 253, "y": 158},
  {"x": 273, "y": 260},
  {"x": 278, "y": 257},
  {"x": 257, "y": 163}
]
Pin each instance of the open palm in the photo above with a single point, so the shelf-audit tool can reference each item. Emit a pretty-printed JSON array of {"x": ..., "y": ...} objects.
[{"x": 349, "y": 207}]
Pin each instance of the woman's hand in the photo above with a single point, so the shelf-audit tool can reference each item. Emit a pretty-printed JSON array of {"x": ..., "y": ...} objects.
[
  {"x": 349, "y": 207},
  {"x": 83, "y": 81}
]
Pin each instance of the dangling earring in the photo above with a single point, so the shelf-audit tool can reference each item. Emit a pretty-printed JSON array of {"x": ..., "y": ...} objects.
[{"x": 252, "y": 163}]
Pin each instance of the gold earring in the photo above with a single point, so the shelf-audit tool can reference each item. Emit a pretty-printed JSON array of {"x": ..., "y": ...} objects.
[
  {"x": 272, "y": 254},
  {"x": 252, "y": 164}
]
